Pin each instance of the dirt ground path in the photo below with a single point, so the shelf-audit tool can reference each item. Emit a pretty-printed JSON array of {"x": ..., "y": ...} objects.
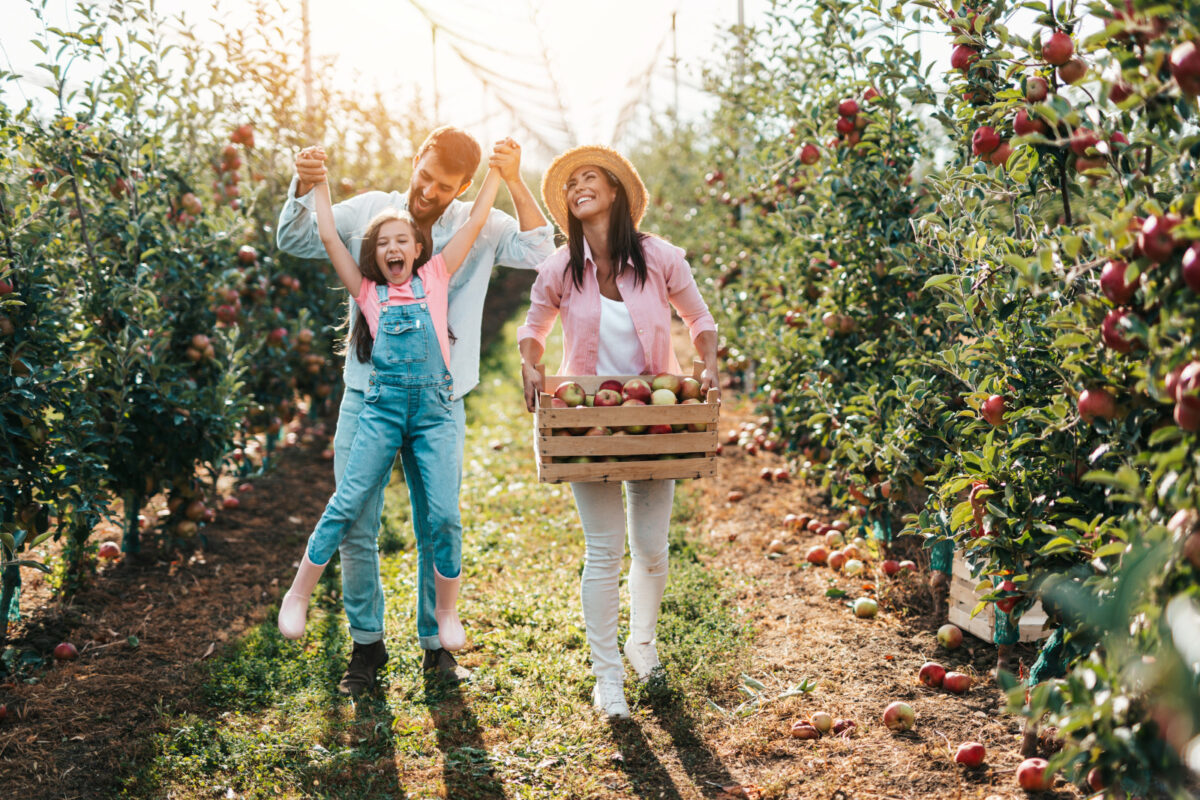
[{"x": 84, "y": 725}]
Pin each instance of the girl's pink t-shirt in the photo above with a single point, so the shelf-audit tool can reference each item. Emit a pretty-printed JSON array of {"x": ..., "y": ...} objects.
[{"x": 437, "y": 293}]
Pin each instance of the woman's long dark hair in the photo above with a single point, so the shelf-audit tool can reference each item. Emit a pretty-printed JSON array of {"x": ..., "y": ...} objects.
[
  {"x": 624, "y": 239},
  {"x": 361, "y": 341}
]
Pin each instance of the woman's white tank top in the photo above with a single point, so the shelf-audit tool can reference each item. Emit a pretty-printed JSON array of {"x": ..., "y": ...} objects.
[{"x": 620, "y": 350}]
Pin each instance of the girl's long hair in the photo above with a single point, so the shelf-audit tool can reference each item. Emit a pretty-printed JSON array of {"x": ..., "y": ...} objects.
[
  {"x": 624, "y": 239},
  {"x": 361, "y": 341}
]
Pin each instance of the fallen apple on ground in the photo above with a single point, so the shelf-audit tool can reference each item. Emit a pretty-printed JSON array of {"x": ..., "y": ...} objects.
[
  {"x": 1032, "y": 775},
  {"x": 65, "y": 651},
  {"x": 970, "y": 754},
  {"x": 822, "y": 721},
  {"x": 949, "y": 636},
  {"x": 956, "y": 682},
  {"x": 931, "y": 674},
  {"x": 865, "y": 608},
  {"x": 899, "y": 717},
  {"x": 803, "y": 730}
]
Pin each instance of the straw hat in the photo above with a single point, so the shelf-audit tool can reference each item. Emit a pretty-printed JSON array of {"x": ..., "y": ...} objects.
[{"x": 554, "y": 180}]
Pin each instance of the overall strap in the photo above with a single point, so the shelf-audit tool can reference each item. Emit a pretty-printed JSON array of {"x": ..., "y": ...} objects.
[
  {"x": 381, "y": 291},
  {"x": 418, "y": 288}
]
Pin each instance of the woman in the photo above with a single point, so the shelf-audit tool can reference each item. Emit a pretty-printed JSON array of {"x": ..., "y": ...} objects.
[{"x": 614, "y": 288}]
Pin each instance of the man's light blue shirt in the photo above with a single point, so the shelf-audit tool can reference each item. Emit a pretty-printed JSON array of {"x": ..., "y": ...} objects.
[{"x": 501, "y": 242}]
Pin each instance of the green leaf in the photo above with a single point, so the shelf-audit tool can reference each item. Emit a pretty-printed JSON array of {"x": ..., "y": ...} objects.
[{"x": 1110, "y": 549}]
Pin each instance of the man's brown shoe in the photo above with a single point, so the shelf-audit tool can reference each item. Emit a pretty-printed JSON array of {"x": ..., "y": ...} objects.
[
  {"x": 365, "y": 661},
  {"x": 443, "y": 664}
]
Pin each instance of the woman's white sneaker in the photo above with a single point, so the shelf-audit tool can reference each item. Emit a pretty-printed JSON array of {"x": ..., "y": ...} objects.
[
  {"x": 643, "y": 657},
  {"x": 609, "y": 698}
]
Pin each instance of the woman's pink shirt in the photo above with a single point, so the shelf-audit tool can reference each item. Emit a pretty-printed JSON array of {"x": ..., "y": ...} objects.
[
  {"x": 669, "y": 282},
  {"x": 437, "y": 293}
]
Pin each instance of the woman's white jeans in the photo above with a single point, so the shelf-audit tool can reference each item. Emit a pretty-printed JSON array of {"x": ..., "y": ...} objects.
[{"x": 605, "y": 520}]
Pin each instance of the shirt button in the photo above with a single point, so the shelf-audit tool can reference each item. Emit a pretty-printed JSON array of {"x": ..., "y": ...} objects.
[
  {"x": 640, "y": 330},
  {"x": 422, "y": 305}
]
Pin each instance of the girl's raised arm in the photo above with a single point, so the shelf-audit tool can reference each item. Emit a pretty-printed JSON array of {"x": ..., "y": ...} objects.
[
  {"x": 455, "y": 251},
  {"x": 343, "y": 262}
]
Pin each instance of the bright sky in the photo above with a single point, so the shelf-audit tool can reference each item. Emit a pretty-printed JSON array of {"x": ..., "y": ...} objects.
[{"x": 611, "y": 60}]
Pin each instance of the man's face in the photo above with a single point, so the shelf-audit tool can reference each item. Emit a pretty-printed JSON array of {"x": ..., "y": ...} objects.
[{"x": 432, "y": 189}]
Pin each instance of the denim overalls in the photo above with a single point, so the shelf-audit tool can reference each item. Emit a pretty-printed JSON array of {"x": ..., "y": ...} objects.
[{"x": 407, "y": 405}]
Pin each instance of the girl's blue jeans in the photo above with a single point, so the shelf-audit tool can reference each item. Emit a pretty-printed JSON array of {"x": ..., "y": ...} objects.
[{"x": 362, "y": 588}]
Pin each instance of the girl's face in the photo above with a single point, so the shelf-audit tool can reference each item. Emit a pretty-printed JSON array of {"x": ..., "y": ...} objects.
[
  {"x": 590, "y": 195},
  {"x": 396, "y": 250}
]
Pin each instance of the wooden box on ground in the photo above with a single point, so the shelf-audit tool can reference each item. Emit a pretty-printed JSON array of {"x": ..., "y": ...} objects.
[
  {"x": 632, "y": 457},
  {"x": 963, "y": 600}
]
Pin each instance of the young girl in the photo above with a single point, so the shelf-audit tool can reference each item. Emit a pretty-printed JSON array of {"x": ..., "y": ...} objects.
[{"x": 401, "y": 294}]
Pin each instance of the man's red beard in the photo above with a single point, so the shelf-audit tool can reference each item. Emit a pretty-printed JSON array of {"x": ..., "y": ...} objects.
[{"x": 424, "y": 216}]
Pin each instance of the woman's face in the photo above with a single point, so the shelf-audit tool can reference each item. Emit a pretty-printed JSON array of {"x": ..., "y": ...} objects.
[
  {"x": 396, "y": 250},
  {"x": 590, "y": 195}
]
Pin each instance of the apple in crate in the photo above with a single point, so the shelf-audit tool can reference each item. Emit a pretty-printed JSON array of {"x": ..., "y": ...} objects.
[
  {"x": 689, "y": 389},
  {"x": 599, "y": 430},
  {"x": 570, "y": 393},
  {"x": 663, "y": 397},
  {"x": 611, "y": 385},
  {"x": 637, "y": 389},
  {"x": 632, "y": 401},
  {"x": 665, "y": 380},
  {"x": 660, "y": 428},
  {"x": 607, "y": 397}
]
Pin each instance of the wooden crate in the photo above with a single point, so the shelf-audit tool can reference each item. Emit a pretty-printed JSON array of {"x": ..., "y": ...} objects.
[
  {"x": 963, "y": 600},
  {"x": 640, "y": 454}
]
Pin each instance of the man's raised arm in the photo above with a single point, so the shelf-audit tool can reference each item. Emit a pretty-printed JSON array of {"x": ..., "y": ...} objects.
[{"x": 296, "y": 232}]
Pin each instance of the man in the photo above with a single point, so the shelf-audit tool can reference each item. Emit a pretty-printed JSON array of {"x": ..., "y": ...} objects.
[{"x": 442, "y": 170}]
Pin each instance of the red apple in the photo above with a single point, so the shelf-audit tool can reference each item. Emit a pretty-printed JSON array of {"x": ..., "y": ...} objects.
[
  {"x": 1082, "y": 139},
  {"x": 109, "y": 550},
  {"x": 247, "y": 254},
  {"x": 984, "y": 140},
  {"x": 1191, "y": 267},
  {"x": 637, "y": 389},
  {"x": 1032, "y": 775},
  {"x": 911, "y": 566},
  {"x": 949, "y": 636},
  {"x": 1058, "y": 49},
  {"x": 1073, "y": 71},
  {"x": 999, "y": 156},
  {"x": 65, "y": 651},
  {"x": 1185, "y": 67},
  {"x": 1097, "y": 403},
  {"x": 803, "y": 730},
  {"x": 993, "y": 410},
  {"x": 1187, "y": 416},
  {"x": 845, "y": 125},
  {"x": 931, "y": 674},
  {"x": 1119, "y": 92},
  {"x": 6, "y": 287},
  {"x": 1112, "y": 334},
  {"x": 870, "y": 94},
  {"x": 956, "y": 682},
  {"x": 781, "y": 475},
  {"x": 1007, "y": 604},
  {"x": 611, "y": 385},
  {"x": 689, "y": 389},
  {"x": 890, "y": 567},
  {"x": 1036, "y": 89},
  {"x": 734, "y": 496},
  {"x": 1114, "y": 285},
  {"x": 606, "y": 398},
  {"x": 1155, "y": 239},
  {"x": 659, "y": 429},
  {"x": 230, "y": 503},
  {"x": 276, "y": 336},
  {"x": 847, "y": 108},
  {"x": 570, "y": 393},
  {"x": 817, "y": 554},
  {"x": 970, "y": 754},
  {"x": 836, "y": 559},
  {"x": 963, "y": 56},
  {"x": 809, "y": 154},
  {"x": 899, "y": 717}
]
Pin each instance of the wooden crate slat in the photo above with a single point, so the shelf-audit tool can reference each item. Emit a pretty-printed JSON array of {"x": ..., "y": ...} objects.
[
  {"x": 963, "y": 599},
  {"x": 641, "y": 445},
  {"x": 682, "y": 468}
]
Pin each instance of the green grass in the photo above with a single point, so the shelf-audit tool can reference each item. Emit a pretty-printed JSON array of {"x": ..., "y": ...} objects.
[{"x": 524, "y": 727}]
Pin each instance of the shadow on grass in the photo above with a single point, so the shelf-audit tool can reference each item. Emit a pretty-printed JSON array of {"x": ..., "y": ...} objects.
[
  {"x": 702, "y": 765},
  {"x": 468, "y": 771},
  {"x": 647, "y": 776}
]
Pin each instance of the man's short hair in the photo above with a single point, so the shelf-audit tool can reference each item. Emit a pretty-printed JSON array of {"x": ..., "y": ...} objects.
[{"x": 456, "y": 150}]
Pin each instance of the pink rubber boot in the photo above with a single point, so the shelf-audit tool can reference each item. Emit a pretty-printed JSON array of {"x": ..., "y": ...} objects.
[
  {"x": 450, "y": 630},
  {"x": 293, "y": 611}
]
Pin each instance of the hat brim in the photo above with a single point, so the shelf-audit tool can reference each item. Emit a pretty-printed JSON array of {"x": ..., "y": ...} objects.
[{"x": 554, "y": 180}]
